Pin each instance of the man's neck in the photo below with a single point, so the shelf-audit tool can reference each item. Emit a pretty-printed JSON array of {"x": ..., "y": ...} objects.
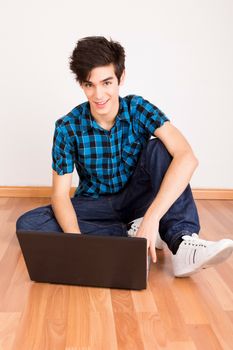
[{"x": 108, "y": 119}]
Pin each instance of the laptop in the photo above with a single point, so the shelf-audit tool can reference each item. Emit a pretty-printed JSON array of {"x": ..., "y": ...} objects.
[{"x": 85, "y": 260}]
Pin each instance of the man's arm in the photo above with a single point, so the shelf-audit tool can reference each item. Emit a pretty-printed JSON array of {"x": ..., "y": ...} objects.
[
  {"x": 61, "y": 203},
  {"x": 175, "y": 181}
]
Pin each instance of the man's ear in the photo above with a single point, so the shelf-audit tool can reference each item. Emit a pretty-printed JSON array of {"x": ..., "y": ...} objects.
[{"x": 122, "y": 79}]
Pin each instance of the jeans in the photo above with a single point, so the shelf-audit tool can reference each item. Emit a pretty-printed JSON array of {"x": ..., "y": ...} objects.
[{"x": 109, "y": 214}]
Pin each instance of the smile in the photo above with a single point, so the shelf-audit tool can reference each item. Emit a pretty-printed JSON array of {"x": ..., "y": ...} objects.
[{"x": 101, "y": 104}]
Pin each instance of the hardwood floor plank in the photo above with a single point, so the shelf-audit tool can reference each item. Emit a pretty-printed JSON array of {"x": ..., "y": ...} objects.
[
  {"x": 99, "y": 300},
  {"x": 128, "y": 331},
  {"x": 230, "y": 315},
  {"x": 211, "y": 227},
  {"x": 56, "y": 314},
  {"x": 78, "y": 321},
  {"x": 219, "y": 288},
  {"x": 186, "y": 295},
  {"x": 102, "y": 333},
  {"x": 32, "y": 330},
  {"x": 7, "y": 268},
  {"x": 181, "y": 345},
  {"x": 218, "y": 319},
  {"x": 222, "y": 213},
  {"x": 55, "y": 334},
  {"x": 152, "y": 330},
  {"x": 225, "y": 270},
  {"x": 16, "y": 294},
  {"x": 8, "y": 325},
  {"x": 7, "y": 232},
  {"x": 169, "y": 312},
  {"x": 122, "y": 300},
  {"x": 143, "y": 301},
  {"x": 204, "y": 337}
]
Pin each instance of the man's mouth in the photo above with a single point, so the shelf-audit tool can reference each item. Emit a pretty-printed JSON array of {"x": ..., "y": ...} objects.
[{"x": 101, "y": 104}]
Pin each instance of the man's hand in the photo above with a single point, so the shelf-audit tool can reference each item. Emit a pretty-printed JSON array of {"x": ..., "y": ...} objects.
[
  {"x": 74, "y": 231},
  {"x": 149, "y": 229}
]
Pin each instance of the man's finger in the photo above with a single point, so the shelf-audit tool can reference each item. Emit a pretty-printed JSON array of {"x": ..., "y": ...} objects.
[{"x": 153, "y": 253}]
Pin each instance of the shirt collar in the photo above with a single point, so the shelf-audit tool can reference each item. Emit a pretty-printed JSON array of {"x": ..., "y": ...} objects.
[{"x": 87, "y": 119}]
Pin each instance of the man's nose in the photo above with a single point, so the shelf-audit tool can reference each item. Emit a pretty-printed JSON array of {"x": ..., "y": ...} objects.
[{"x": 98, "y": 93}]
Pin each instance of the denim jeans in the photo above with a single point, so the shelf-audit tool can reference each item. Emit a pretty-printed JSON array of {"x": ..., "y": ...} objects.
[{"x": 109, "y": 214}]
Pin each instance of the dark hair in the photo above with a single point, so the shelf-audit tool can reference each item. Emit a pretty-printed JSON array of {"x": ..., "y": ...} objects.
[{"x": 96, "y": 51}]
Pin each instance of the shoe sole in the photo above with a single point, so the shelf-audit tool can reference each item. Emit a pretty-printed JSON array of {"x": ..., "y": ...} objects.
[{"x": 217, "y": 259}]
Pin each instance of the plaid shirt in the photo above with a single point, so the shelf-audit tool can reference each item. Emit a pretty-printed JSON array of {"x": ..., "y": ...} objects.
[{"x": 104, "y": 160}]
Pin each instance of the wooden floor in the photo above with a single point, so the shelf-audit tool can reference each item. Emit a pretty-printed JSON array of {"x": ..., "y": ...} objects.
[{"x": 189, "y": 313}]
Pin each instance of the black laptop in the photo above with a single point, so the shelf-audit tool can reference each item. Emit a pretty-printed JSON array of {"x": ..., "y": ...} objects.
[{"x": 87, "y": 260}]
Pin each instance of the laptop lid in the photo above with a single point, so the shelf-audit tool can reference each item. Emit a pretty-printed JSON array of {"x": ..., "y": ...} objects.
[{"x": 90, "y": 260}]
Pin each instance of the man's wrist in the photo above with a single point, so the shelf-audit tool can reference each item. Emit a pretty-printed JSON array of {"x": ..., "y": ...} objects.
[{"x": 152, "y": 213}]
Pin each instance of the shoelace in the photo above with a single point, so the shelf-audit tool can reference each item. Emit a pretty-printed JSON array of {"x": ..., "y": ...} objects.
[
  {"x": 195, "y": 241},
  {"x": 133, "y": 229}
]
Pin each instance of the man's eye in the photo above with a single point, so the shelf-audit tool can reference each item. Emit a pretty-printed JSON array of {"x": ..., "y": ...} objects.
[
  {"x": 107, "y": 83},
  {"x": 87, "y": 85}
]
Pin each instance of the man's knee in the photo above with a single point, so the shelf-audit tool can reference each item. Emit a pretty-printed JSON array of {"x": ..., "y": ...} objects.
[
  {"x": 156, "y": 150},
  {"x": 24, "y": 222},
  {"x": 156, "y": 144},
  {"x": 33, "y": 218}
]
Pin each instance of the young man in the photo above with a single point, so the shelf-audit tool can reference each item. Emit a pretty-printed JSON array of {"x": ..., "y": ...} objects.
[{"x": 130, "y": 184}]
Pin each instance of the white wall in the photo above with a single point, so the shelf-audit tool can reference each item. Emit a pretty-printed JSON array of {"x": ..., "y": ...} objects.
[{"x": 179, "y": 56}]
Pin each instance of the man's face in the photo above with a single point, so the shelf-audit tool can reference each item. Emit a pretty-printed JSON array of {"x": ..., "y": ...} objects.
[{"x": 102, "y": 90}]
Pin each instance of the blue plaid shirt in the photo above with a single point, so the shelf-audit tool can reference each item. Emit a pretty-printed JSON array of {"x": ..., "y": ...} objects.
[{"x": 104, "y": 160}]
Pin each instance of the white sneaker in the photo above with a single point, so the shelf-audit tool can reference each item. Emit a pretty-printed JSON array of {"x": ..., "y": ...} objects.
[
  {"x": 133, "y": 228},
  {"x": 195, "y": 254}
]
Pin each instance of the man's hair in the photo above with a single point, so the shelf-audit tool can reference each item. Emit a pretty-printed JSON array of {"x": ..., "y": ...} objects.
[{"x": 96, "y": 51}]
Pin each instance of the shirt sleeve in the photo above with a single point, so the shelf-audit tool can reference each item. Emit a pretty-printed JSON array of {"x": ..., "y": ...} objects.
[
  {"x": 62, "y": 152},
  {"x": 149, "y": 116}
]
